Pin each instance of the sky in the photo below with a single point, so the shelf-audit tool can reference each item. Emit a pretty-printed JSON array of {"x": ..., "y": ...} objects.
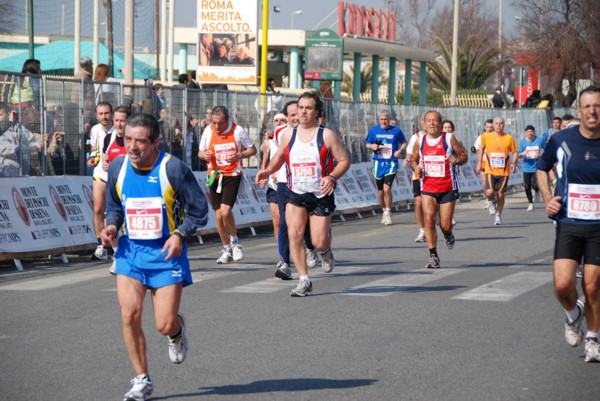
[{"x": 316, "y": 13}]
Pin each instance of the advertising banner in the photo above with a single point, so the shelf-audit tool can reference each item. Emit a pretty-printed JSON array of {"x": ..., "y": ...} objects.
[{"x": 227, "y": 42}]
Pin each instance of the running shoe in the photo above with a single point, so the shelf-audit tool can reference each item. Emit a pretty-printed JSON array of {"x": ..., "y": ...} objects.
[
  {"x": 178, "y": 349},
  {"x": 486, "y": 204},
  {"x": 236, "y": 250},
  {"x": 382, "y": 219},
  {"x": 497, "y": 220},
  {"x": 284, "y": 272},
  {"x": 453, "y": 222},
  {"x": 311, "y": 258},
  {"x": 142, "y": 387},
  {"x": 592, "y": 350},
  {"x": 492, "y": 208},
  {"x": 434, "y": 262},
  {"x": 113, "y": 267},
  {"x": 387, "y": 219},
  {"x": 420, "y": 237},
  {"x": 225, "y": 257},
  {"x": 303, "y": 289},
  {"x": 100, "y": 253},
  {"x": 449, "y": 240},
  {"x": 530, "y": 207},
  {"x": 573, "y": 330},
  {"x": 327, "y": 261},
  {"x": 579, "y": 273}
]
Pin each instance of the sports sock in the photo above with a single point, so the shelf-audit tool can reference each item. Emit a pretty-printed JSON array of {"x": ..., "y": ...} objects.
[
  {"x": 176, "y": 337},
  {"x": 305, "y": 277},
  {"x": 433, "y": 252},
  {"x": 572, "y": 314},
  {"x": 592, "y": 334}
]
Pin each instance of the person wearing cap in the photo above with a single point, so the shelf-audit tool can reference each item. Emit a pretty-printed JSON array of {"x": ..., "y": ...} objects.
[{"x": 530, "y": 149}]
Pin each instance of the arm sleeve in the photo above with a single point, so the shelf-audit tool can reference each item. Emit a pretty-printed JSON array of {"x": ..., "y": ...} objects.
[
  {"x": 113, "y": 208},
  {"x": 190, "y": 195}
]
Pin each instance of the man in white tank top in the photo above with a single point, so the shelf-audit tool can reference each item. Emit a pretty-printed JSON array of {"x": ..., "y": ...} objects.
[{"x": 308, "y": 152}]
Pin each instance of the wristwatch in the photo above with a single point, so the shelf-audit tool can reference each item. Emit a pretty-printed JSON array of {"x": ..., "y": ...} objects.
[{"x": 333, "y": 180}]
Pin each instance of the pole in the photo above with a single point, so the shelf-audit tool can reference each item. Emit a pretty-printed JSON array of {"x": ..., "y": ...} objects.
[
  {"x": 129, "y": 30},
  {"x": 31, "y": 30},
  {"x": 96, "y": 52},
  {"x": 264, "y": 49},
  {"x": 77, "y": 40},
  {"x": 163, "y": 40},
  {"x": 454, "y": 53},
  {"x": 500, "y": 39},
  {"x": 171, "y": 40}
]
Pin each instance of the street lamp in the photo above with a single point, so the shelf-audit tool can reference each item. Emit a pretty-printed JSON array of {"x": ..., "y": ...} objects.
[
  {"x": 276, "y": 10},
  {"x": 297, "y": 12}
]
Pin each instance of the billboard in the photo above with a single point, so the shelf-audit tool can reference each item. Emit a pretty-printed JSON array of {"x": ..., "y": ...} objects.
[
  {"x": 227, "y": 42},
  {"x": 324, "y": 56}
]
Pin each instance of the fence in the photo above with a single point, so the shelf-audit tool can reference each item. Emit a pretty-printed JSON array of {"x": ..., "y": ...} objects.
[{"x": 44, "y": 105}]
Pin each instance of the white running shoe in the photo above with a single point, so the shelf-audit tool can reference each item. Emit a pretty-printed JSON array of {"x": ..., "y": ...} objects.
[
  {"x": 303, "y": 289},
  {"x": 225, "y": 257},
  {"x": 382, "y": 219},
  {"x": 328, "y": 261},
  {"x": 178, "y": 349},
  {"x": 592, "y": 350},
  {"x": 142, "y": 387},
  {"x": 420, "y": 237},
  {"x": 453, "y": 222},
  {"x": 311, "y": 258},
  {"x": 486, "y": 204},
  {"x": 113, "y": 267},
  {"x": 530, "y": 207},
  {"x": 236, "y": 250},
  {"x": 100, "y": 253},
  {"x": 387, "y": 219},
  {"x": 579, "y": 272},
  {"x": 492, "y": 208},
  {"x": 573, "y": 330},
  {"x": 497, "y": 220}
]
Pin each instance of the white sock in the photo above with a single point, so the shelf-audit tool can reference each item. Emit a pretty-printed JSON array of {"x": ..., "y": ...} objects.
[
  {"x": 572, "y": 314},
  {"x": 387, "y": 210},
  {"x": 305, "y": 277},
  {"x": 421, "y": 230},
  {"x": 591, "y": 334},
  {"x": 234, "y": 239}
]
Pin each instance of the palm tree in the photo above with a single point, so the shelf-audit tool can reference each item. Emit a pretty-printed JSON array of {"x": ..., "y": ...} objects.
[
  {"x": 366, "y": 80},
  {"x": 473, "y": 68}
]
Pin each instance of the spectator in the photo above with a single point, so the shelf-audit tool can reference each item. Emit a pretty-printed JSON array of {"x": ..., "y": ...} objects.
[
  {"x": 88, "y": 103},
  {"x": 534, "y": 99},
  {"x": 497, "y": 99},
  {"x": 107, "y": 93},
  {"x": 27, "y": 93},
  {"x": 182, "y": 81},
  {"x": 192, "y": 83},
  {"x": 158, "y": 100},
  {"x": 17, "y": 144}
]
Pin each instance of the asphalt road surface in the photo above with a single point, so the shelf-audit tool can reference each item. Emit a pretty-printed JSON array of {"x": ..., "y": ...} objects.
[{"x": 380, "y": 327}]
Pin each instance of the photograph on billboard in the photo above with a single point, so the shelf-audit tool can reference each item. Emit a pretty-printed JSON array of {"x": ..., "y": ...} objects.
[{"x": 227, "y": 42}]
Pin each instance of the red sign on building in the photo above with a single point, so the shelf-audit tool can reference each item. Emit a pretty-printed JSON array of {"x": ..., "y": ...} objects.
[{"x": 354, "y": 19}]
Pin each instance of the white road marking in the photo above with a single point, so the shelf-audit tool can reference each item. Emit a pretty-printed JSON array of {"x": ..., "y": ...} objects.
[
  {"x": 507, "y": 288},
  {"x": 401, "y": 282},
  {"x": 56, "y": 281}
]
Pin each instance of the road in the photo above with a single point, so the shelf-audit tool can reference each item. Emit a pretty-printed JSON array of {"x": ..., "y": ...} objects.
[{"x": 380, "y": 327}]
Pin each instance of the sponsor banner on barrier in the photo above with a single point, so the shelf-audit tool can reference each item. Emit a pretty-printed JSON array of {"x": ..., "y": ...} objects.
[
  {"x": 468, "y": 180},
  {"x": 201, "y": 177},
  {"x": 356, "y": 195},
  {"x": 402, "y": 189},
  {"x": 41, "y": 213}
]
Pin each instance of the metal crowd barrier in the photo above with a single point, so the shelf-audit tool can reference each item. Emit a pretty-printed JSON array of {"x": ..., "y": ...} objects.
[{"x": 68, "y": 105}]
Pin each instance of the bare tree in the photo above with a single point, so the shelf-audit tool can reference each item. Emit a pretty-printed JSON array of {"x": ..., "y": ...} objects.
[
  {"x": 412, "y": 27},
  {"x": 562, "y": 36}
]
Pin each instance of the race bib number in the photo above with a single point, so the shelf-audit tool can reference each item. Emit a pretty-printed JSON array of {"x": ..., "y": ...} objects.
[
  {"x": 584, "y": 202},
  {"x": 497, "y": 160},
  {"x": 532, "y": 152},
  {"x": 144, "y": 218},
  {"x": 386, "y": 151},
  {"x": 223, "y": 150},
  {"x": 434, "y": 166},
  {"x": 304, "y": 169}
]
